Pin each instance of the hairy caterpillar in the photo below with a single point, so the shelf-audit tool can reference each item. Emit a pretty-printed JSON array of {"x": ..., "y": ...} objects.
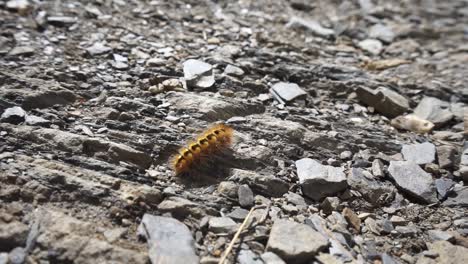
[{"x": 198, "y": 152}]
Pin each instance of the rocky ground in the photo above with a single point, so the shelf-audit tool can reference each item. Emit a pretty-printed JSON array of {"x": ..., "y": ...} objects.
[{"x": 348, "y": 119}]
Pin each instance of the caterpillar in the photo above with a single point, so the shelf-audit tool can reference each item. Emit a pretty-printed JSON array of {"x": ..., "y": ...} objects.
[{"x": 200, "y": 151}]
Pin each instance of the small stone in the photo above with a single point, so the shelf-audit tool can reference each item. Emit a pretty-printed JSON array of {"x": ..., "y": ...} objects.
[
  {"x": 295, "y": 199},
  {"x": 345, "y": 155},
  {"x": 13, "y": 115},
  {"x": 229, "y": 189},
  {"x": 352, "y": 218},
  {"x": 375, "y": 192},
  {"x": 378, "y": 168},
  {"x": 21, "y": 51},
  {"x": 330, "y": 204},
  {"x": 458, "y": 197},
  {"x": 154, "y": 62},
  {"x": 271, "y": 258},
  {"x": 248, "y": 257},
  {"x": 168, "y": 239},
  {"x": 61, "y": 20},
  {"x": 33, "y": 120},
  {"x": 407, "y": 230},
  {"x": 113, "y": 235},
  {"x": 98, "y": 48},
  {"x": 293, "y": 242},
  {"x": 373, "y": 46},
  {"x": 198, "y": 74},
  {"x": 17, "y": 256},
  {"x": 238, "y": 214},
  {"x": 436, "y": 235},
  {"x": 318, "y": 181},
  {"x": 446, "y": 156},
  {"x": 443, "y": 186},
  {"x": 384, "y": 100},
  {"x": 419, "y": 153},
  {"x": 233, "y": 70},
  {"x": 222, "y": 225},
  {"x": 311, "y": 25},
  {"x": 385, "y": 226},
  {"x": 434, "y": 110},
  {"x": 381, "y": 32},
  {"x": 287, "y": 92},
  {"x": 20, "y": 6},
  {"x": 246, "y": 197},
  {"x": 412, "y": 179},
  {"x": 268, "y": 185},
  {"x": 398, "y": 220}
]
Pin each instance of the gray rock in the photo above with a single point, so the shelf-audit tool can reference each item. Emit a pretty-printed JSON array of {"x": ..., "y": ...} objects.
[
  {"x": 458, "y": 197},
  {"x": 248, "y": 257},
  {"x": 222, "y": 225},
  {"x": 198, "y": 74},
  {"x": 18, "y": 5},
  {"x": 419, "y": 153},
  {"x": 33, "y": 120},
  {"x": 384, "y": 100},
  {"x": 311, "y": 25},
  {"x": 330, "y": 204},
  {"x": 22, "y": 51},
  {"x": 113, "y": 235},
  {"x": 318, "y": 181},
  {"x": 387, "y": 259},
  {"x": 448, "y": 253},
  {"x": 375, "y": 192},
  {"x": 61, "y": 20},
  {"x": 443, "y": 186},
  {"x": 264, "y": 184},
  {"x": 407, "y": 230},
  {"x": 295, "y": 199},
  {"x": 287, "y": 92},
  {"x": 246, "y": 197},
  {"x": 412, "y": 179},
  {"x": 98, "y": 48},
  {"x": 434, "y": 110},
  {"x": 229, "y": 189},
  {"x": 238, "y": 214},
  {"x": 17, "y": 255},
  {"x": 212, "y": 109},
  {"x": 13, "y": 115},
  {"x": 271, "y": 258},
  {"x": 373, "y": 46},
  {"x": 48, "y": 98},
  {"x": 295, "y": 243},
  {"x": 3, "y": 258},
  {"x": 378, "y": 168},
  {"x": 233, "y": 70},
  {"x": 381, "y": 32},
  {"x": 181, "y": 207},
  {"x": 13, "y": 234},
  {"x": 169, "y": 240},
  {"x": 436, "y": 235},
  {"x": 446, "y": 155}
]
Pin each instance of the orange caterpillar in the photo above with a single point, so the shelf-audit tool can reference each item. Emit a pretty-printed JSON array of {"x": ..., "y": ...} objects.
[{"x": 211, "y": 142}]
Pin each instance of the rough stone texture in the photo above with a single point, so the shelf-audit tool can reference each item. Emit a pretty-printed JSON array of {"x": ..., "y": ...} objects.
[
  {"x": 268, "y": 185},
  {"x": 198, "y": 74},
  {"x": 448, "y": 253},
  {"x": 384, "y": 100},
  {"x": 222, "y": 225},
  {"x": 287, "y": 92},
  {"x": 373, "y": 191},
  {"x": 317, "y": 180},
  {"x": 169, "y": 240},
  {"x": 419, "y": 153},
  {"x": 458, "y": 197},
  {"x": 446, "y": 156},
  {"x": 434, "y": 110},
  {"x": 293, "y": 242},
  {"x": 412, "y": 179},
  {"x": 14, "y": 115},
  {"x": 246, "y": 197}
]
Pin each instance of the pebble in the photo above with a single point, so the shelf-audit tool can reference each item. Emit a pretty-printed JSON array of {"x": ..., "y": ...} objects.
[
  {"x": 446, "y": 156},
  {"x": 373, "y": 46},
  {"x": 246, "y": 197},
  {"x": 169, "y": 240},
  {"x": 419, "y": 153},
  {"x": 352, "y": 218},
  {"x": 198, "y": 74},
  {"x": 412, "y": 179},
  {"x": 398, "y": 220},
  {"x": 384, "y": 100},
  {"x": 294, "y": 242},
  {"x": 13, "y": 115},
  {"x": 434, "y": 110},
  {"x": 222, "y": 225},
  {"x": 458, "y": 197},
  {"x": 98, "y": 48},
  {"x": 319, "y": 181},
  {"x": 311, "y": 25},
  {"x": 233, "y": 70},
  {"x": 287, "y": 92},
  {"x": 443, "y": 186},
  {"x": 248, "y": 257},
  {"x": 22, "y": 51},
  {"x": 381, "y": 32}
]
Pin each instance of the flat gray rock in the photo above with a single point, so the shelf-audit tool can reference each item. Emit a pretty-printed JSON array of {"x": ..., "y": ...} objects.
[
  {"x": 412, "y": 179},
  {"x": 384, "y": 100},
  {"x": 458, "y": 197},
  {"x": 434, "y": 110},
  {"x": 373, "y": 46},
  {"x": 381, "y": 32},
  {"x": 169, "y": 240},
  {"x": 294, "y": 242},
  {"x": 419, "y": 153},
  {"x": 233, "y": 70},
  {"x": 287, "y": 92},
  {"x": 222, "y": 225},
  {"x": 98, "y": 48},
  {"x": 443, "y": 185},
  {"x": 13, "y": 115},
  {"x": 319, "y": 181},
  {"x": 248, "y": 257},
  {"x": 311, "y": 25},
  {"x": 246, "y": 196},
  {"x": 198, "y": 74},
  {"x": 271, "y": 258},
  {"x": 375, "y": 192}
]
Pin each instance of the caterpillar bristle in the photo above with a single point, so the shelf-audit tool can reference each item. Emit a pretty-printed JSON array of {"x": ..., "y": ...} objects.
[{"x": 199, "y": 152}]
